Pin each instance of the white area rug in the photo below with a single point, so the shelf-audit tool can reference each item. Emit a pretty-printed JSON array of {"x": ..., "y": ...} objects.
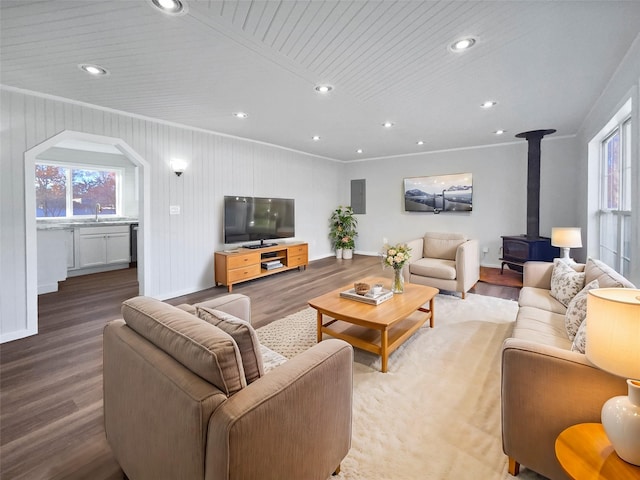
[{"x": 436, "y": 413}]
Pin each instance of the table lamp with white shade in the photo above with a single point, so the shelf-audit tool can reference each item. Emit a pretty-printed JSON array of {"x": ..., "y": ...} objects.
[
  {"x": 613, "y": 344},
  {"x": 566, "y": 238}
]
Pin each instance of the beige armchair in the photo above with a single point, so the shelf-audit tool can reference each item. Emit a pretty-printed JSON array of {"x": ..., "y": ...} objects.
[
  {"x": 177, "y": 404},
  {"x": 448, "y": 261}
]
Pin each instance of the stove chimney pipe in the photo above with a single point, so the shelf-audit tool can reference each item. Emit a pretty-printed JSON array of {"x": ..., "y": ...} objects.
[{"x": 533, "y": 138}]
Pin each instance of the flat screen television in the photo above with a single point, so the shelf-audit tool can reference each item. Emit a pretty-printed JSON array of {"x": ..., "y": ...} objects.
[{"x": 248, "y": 219}]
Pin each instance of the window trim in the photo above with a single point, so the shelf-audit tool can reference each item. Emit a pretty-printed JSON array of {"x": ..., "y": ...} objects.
[{"x": 616, "y": 126}]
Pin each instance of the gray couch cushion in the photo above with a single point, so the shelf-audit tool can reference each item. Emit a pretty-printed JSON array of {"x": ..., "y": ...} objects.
[
  {"x": 243, "y": 334},
  {"x": 201, "y": 347},
  {"x": 541, "y": 326},
  {"x": 540, "y": 298},
  {"x": 434, "y": 268}
]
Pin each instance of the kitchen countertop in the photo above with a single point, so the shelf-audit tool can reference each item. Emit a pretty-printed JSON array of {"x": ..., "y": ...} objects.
[{"x": 66, "y": 224}]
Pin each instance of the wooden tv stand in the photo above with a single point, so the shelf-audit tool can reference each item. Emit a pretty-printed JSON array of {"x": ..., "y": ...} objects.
[{"x": 246, "y": 264}]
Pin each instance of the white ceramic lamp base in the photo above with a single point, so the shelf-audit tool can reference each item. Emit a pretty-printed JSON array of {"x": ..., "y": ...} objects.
[{"x": 621, "y": 422}]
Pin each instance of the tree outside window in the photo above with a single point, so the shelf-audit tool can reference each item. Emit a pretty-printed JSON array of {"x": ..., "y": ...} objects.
[
  {"x": 51, "y": 191},
  {"x": 89, "y": 187}
]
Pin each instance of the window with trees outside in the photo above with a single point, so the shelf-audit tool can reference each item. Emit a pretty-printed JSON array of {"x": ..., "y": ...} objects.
[
  {"x": 615, "y": 198},
  {"x": 71, "y": 191}
]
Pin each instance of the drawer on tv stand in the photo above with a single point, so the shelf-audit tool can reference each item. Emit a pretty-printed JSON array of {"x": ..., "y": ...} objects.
[
  {"x": 245, "y": 273},
  {"x": 238, "y": 261}
]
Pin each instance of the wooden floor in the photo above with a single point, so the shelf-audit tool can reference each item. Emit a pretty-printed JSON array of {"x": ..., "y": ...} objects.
[{"x": 51, "y": 383}]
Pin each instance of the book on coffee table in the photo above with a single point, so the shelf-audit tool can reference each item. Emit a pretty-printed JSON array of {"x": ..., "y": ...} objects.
[{"x": 370, "y": 298}]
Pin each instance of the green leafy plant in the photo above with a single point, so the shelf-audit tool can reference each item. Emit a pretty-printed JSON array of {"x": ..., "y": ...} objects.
[{"x": 342, "y": 227}]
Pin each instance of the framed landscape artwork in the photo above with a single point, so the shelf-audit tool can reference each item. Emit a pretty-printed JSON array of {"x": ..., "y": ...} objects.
[{"x": 439, "y": 193}]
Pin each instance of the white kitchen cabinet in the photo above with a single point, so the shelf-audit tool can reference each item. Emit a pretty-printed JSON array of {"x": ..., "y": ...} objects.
[
  {"x": 102, "y": 246},
  {"x": 51, "y": 260}
]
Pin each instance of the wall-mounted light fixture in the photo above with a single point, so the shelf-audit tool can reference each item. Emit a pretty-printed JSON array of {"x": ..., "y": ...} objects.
[{"x": 178, "y": 166}]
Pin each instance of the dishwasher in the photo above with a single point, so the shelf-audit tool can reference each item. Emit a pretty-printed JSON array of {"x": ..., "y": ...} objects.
[{"x": 133, "y": 244}]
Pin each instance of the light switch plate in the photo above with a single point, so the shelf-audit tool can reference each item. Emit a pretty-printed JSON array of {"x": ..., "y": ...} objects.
[{"x": 174, "y": 209}]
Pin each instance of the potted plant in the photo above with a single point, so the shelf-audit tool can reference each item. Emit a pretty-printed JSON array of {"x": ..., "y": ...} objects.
[{"x": 342, "y": 231}]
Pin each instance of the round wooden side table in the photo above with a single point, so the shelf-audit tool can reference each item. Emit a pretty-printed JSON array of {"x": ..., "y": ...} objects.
[{"x": 585, "y": 453}]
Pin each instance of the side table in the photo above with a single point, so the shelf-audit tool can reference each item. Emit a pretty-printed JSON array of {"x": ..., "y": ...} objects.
[{"x": 585, "y": 453}]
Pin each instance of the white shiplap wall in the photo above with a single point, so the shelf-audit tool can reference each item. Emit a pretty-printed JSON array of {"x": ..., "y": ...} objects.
[{"x": 180, "y": 246}]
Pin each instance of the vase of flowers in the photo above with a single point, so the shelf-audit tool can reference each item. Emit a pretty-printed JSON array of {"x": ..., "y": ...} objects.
[
  {"x": 397, "y": 256},
  {"x": 342, "y": 231}
]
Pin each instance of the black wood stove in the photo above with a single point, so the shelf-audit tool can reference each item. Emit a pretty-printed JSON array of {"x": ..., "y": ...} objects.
[{"x": 518, "y": 249}]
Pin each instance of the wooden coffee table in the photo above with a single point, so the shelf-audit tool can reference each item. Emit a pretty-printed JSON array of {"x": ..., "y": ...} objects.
[{"x": 378, "y": 329}]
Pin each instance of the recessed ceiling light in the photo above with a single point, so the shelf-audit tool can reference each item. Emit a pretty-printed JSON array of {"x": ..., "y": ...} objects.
[
  {"x": 315, "y": 138},
  {"x": 388, "y": 124},
  {"x": 240, "y": 115},
  {"x": 359, "y": 150},
  {"x": 462, "y": 44},
  {"x": 172, "y": 7},
  {"x": 323, "y": 88},
  {"x": 488, "y": 104},
  {"x": 499, "y": 132},
  {"x": 95, "y": 70},
  {"x": 419, "y": 142}
]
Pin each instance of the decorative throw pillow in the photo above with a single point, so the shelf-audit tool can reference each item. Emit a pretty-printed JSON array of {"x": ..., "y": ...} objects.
[
  {"x": 577, "y": 310},
  {"x": 203, "y": 348},
  {"x": 580, "y": 340},
  {"x": 243, "y": 334},
  {"x": 565, "y": 282}
]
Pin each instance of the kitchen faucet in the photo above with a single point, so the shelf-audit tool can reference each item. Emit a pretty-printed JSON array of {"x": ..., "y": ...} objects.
[{"x": 98, "y": 210}]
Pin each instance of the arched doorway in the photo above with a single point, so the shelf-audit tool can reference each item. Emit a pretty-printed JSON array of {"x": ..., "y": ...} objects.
[{"x": 143, "y": 183}]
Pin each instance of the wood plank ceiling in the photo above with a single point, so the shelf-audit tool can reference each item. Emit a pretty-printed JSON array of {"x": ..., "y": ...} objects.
[{"x": 545, "y": 63}]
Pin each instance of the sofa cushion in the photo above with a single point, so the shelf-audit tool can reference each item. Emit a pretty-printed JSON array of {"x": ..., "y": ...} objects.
[
  {"x": 607, "y": 277},
  {"x": 542, "y": 327},
  {"x": 540, "y": 298},
  {"x": 442, "y": 245},
  {"x": 565, "y": 282},
  {"x": 201, "y": 347},
  {"x": 434, "y": 268},
  {"x": 243, "y": 334},
  {"x": 577, "y": 309}
]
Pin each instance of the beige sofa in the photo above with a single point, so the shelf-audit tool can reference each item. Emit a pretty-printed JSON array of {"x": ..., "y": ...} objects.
[
  {"x": 447, "y": 261},
  {"x": 547, "y": 387},
  {"x": 177, "y": 403}
]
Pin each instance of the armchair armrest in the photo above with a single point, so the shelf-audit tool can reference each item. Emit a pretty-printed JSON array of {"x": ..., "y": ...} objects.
[
  {"x": 545, "y": 390},
  {"x": 234, "y": 304},
  {"x": 467, "y": 264},
  {"x": 417, "y": 247},
  {"x": 295, "y": 422}
]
